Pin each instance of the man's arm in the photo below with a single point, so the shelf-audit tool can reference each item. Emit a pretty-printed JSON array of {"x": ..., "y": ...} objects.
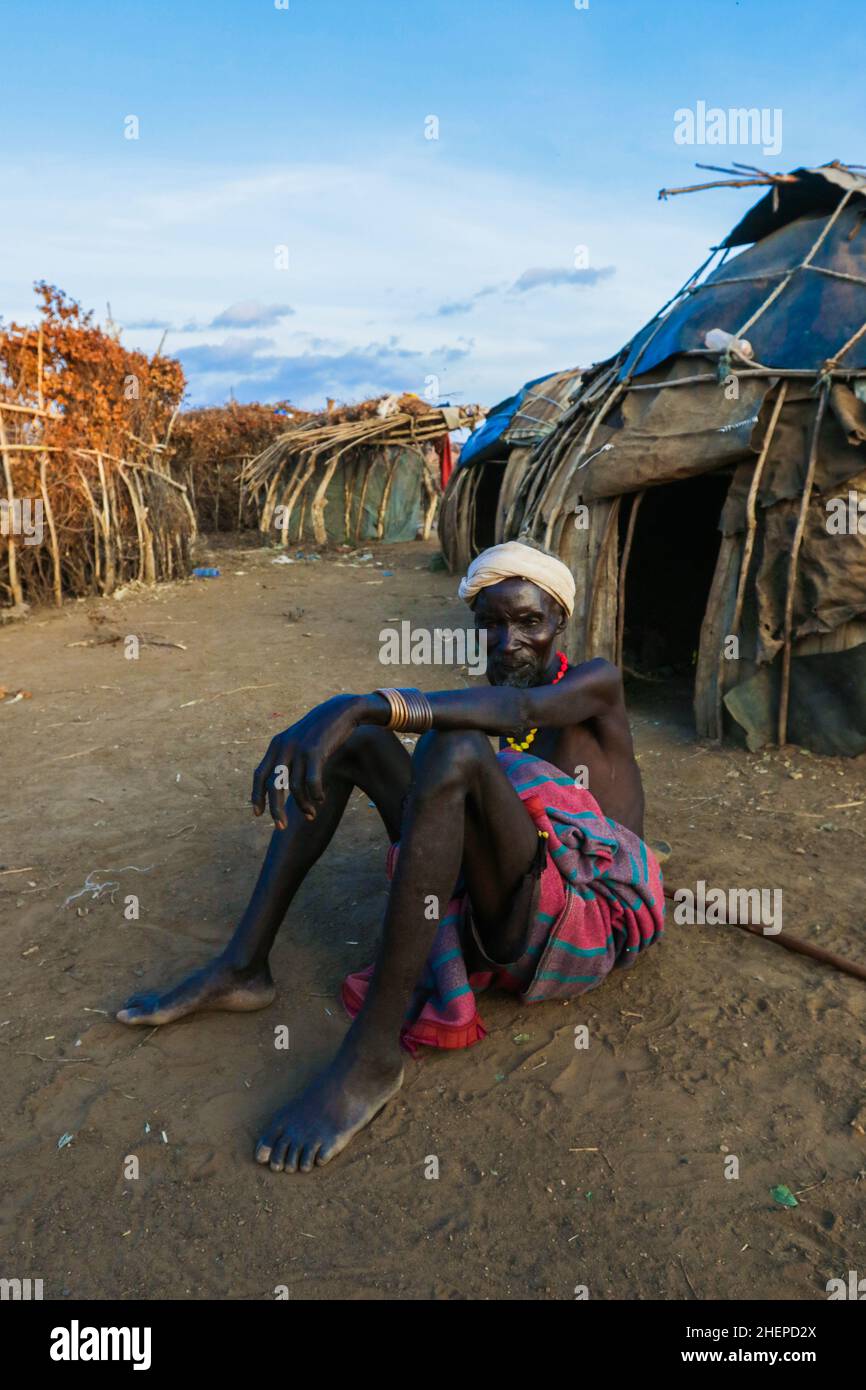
[
  {"x": 295, "y": 760},
  {"x": 586, "y": 692}
]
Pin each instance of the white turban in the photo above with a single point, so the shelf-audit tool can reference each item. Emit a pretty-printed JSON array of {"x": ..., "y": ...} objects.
[{"x": 514, "y": 560}]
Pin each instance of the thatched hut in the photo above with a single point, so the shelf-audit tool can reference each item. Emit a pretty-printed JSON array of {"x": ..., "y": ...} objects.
[
  {"x": 368, "y": 472},
  {"x": 707, "y": 485}
]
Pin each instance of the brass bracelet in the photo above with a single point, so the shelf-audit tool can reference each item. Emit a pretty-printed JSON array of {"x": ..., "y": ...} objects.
[
  {"x": 404, "y": 713},
  {"x": 421, "y": 711},
  {"x": 393, "y": 707},
  {"x": 411, "y": 711},
  {"x": 425, "y": 712}
]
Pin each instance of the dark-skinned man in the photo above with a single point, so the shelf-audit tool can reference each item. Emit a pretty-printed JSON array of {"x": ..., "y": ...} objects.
[{"x": 525, "y": 869}]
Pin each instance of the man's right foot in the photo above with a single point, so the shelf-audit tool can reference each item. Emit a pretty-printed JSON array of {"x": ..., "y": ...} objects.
[{"x": 216, "y": 986}]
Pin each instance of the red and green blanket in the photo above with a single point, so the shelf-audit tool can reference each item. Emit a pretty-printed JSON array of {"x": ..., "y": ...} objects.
[{"x": 601, "y": 903}]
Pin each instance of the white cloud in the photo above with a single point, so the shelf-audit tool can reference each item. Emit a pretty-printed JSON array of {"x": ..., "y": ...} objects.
[
  {"x": 374, "y": 254},
  {"x": 251, "y": 313}
]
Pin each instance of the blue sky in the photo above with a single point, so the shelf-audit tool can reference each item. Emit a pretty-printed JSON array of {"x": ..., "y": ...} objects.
[{"x": 527, "y": 237}]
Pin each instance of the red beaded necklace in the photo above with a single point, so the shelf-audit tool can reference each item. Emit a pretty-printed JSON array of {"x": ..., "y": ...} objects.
[{"x": 522, "y": 747}]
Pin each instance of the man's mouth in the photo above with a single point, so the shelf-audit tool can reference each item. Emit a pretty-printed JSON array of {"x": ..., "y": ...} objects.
[{"x": 513, "y": 673}]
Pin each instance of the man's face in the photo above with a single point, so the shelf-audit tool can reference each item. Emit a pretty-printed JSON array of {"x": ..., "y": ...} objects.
[{"x": 522, "y": 622}]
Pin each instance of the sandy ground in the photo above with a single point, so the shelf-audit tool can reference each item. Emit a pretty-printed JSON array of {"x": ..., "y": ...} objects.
[{"x": 558, "y": 1167}]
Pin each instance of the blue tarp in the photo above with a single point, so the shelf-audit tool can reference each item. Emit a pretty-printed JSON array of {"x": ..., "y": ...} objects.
[{"x": 482, "y": 443}]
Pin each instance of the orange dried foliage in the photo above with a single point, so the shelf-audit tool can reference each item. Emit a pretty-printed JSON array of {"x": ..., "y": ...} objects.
[{"x": 99, "y": 447}]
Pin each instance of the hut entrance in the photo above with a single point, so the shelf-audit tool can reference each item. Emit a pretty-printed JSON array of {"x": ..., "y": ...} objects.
[
  {"x": 486, "y": 502},
  {"x": 673, "y": 557}
]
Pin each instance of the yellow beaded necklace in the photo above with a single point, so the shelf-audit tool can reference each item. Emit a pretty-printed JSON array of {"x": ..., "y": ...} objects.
[{"x": 522, "y": 747}]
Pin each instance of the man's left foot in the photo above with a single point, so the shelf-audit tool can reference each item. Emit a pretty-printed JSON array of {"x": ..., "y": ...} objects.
[{"x": 319, "y": 1124}]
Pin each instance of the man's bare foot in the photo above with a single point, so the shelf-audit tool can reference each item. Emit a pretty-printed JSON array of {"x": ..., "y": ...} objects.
[
  {"x": 216, "y": 986},
  {"x": 321, "y": 1121}
]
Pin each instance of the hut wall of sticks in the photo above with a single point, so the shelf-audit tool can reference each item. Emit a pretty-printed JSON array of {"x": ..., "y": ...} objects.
[
  {"x": 87, "y": 500},
  {"x": 707, "y": 485},
  {"x": 213, "y": 446},
  {"x": 359, "y": 473}
]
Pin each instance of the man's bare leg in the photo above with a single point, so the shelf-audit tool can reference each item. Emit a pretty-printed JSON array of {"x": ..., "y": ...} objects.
[
  {"x": 456, "y": 780},
  {"x": 239, "y": 979}
]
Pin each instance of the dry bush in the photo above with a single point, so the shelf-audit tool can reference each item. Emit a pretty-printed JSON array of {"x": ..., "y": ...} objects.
[
  {"x": 212, "y": 446},
  {"x": 84, "y": 430}
]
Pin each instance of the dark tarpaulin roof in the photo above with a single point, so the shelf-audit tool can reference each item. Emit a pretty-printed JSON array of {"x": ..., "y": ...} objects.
[
  {"x": 817, "y": 192},
  {"x": 812, "y": 318},
  {"x": 818, "y": 310}
]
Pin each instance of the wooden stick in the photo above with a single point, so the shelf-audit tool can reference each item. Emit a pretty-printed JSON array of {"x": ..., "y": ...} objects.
[
  {"x": 97, "y": 526},
  {"x": 386, "y": 490},
  {"x": 27, "y": 410},
  {"x": 792, "y": 567},
  {"x": 52, "y": 531},
  {"x": 751, "y": 520},
  {"x": 40, "y": 343},
  {"x": 611, "y": 521},
  {"x": 841, "y": 353},
  {"x": 813, "y": 251},
  {"x": 680, "y": 381},
  {"x": 626, "y": 552},
  {"x": 774, "y": 179},
  {"x": 801, "y": 948},
  {"x": 14, "y": 582}
]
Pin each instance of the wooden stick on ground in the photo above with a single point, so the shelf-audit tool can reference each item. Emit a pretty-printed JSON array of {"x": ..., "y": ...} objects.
[{"x": 802, "y": 948}]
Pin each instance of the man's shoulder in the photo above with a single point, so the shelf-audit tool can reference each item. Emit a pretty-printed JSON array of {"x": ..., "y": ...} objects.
[{"x": 598, "y": 672}]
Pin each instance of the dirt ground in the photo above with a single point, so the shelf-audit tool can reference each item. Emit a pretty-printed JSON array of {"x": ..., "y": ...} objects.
[{"x": 604, "y": 1167}]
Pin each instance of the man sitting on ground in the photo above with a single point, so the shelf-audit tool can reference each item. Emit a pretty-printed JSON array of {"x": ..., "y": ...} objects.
[{"x": 524, "y": 868}]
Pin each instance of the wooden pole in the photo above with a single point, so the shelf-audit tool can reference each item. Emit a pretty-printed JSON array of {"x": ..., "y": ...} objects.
[
  {"x": 626, "y": 552},
  {"x": 749, "y": 544},
  {"x": 24, "y": 409},
  {"x": 601, "y": 557},
  {"x": 52, "y": 531},
  {"x": 39, "y": 361},
  {"x": 792, "y": 567},
  {"x": 14, "y": 582}
]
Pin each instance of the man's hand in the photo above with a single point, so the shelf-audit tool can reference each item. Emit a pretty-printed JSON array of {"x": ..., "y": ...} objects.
[{"x": 295, "y": 760}]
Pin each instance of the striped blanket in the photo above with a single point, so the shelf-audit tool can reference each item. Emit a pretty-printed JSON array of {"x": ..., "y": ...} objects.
[{"x": 600, "y": 905}]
